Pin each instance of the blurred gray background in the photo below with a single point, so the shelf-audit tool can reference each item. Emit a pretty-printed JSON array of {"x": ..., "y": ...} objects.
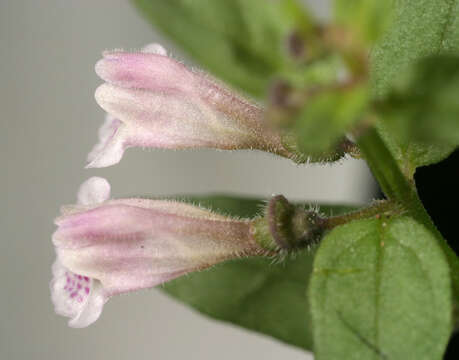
[{"x": 49, "y": 122}]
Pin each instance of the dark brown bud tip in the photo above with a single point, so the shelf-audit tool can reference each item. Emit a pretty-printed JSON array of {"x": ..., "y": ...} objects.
[
  {"x": 279, "y": 94},
  {"x": 292, "y": 227},
  {"x": 296, "y": 45}
]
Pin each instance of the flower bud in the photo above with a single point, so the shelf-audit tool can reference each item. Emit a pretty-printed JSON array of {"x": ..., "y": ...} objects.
[
  {"x": 296, "y": 45},
  {"x": 154, "y": 101},
  {"x": 286, "y": 227},
  {"x": 107, "y": 247}
]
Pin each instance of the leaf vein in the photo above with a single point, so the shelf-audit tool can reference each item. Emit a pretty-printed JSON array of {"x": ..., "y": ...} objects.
[
  {"x": 448, "y": 24},
  {"x": 362, "y": 338}
]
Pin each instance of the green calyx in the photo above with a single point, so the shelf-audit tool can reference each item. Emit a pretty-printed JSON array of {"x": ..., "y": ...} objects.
[
  {"x": 343, "y": 147},
  {"x": 286, "y": 227}
]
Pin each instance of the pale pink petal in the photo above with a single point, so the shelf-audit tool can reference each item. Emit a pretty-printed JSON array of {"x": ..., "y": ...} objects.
[
  {"x": 129, "y": 248},
  {"x": 108, "y": 247},
  {"x": 172, "y": 207},
  {"x": 146, "y": 71},
  {"x": 163, "y": 104},
  {"x": 118, "y": 220},
  {"x": 171, "y": 121}
]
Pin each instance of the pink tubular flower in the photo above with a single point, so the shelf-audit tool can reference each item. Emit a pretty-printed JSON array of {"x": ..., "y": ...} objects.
[
  {"x": 107, "y": 247},
  {"x": 154, "y": 101}
]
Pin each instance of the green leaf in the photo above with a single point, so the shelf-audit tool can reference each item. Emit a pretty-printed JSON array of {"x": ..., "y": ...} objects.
[
  {"x": 241, "y": 42},
  {"x": 420, "y": 115},
  {"x": 396, "y": 186},
  {"x": 420, "y": 28},
  {"x": 411, "y": 154},
  {"x": 368, "y": 18},
  {"x": 424, "y": 103},
  {"x": 254, "y": 293},
  {"x": 327, "y": 116},
  {"x": 380, "y": 289}
]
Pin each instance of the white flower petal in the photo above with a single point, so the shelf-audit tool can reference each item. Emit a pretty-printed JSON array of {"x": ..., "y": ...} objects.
[
  {"x": 110, "y": 148},
  {"x": 155, "y": 48},
  {"x": 75, "y": 296},
  {"x": 93, "y": 191}
]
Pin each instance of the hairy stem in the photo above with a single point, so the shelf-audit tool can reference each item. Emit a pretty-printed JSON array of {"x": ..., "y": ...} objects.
[{"x": 378, "y": 208}]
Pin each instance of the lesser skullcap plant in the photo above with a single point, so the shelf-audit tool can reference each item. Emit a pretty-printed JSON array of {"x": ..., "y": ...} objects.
[{"x": 379, "y": 81}]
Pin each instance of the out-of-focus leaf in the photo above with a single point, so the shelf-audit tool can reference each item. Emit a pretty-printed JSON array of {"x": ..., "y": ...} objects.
[
  {"x": 327, "y": 116},
  {"x": 412, "y": 154},
  {"x": 318, "y": 73},
  {"x": 424, "y": 103},
  {"x": 254, "y": 293},
  {"x": 242, "y": 42},
  {"x": 380, "y": 289},
  {"x": 367, "y": 18},
  {"x": 420, "y": 115},
  {"x": 420, "y": 28}
]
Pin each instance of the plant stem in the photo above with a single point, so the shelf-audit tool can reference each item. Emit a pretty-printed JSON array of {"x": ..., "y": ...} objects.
[
  {"x": 379, "y": 208},
  {"x": 400, "y": 189}
]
